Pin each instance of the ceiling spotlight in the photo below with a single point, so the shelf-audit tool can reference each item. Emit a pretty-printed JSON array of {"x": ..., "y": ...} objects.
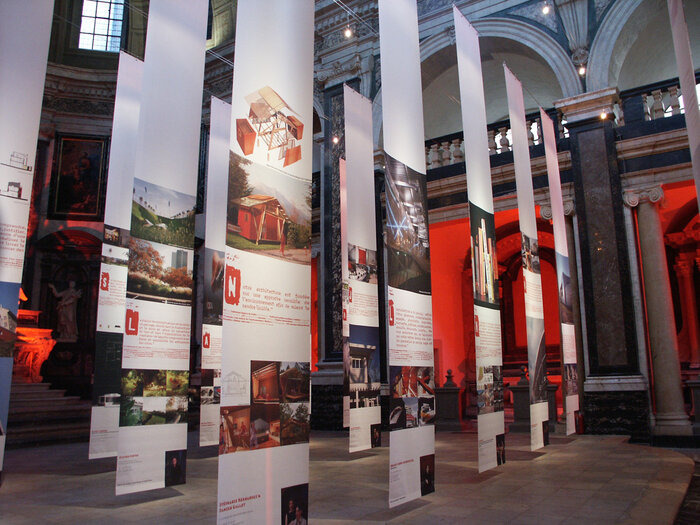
[
  {"x": 603, "y": 115},
  {"x": 582, "y": 70},
  {"x": 347, "y": 32},
  {"x": 336, "y": 139},
  {"x": 545, "y": 8}
]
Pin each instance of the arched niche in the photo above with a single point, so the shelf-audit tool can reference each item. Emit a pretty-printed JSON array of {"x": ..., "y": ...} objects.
[
  {"x": 633, "y": 45},
  {"x": 540, "y": 62}
]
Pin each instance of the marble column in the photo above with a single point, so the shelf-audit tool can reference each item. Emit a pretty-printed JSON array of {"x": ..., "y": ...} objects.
[
  {"x": 684, "y": 267},
  {"x": 671, "y": 418}
]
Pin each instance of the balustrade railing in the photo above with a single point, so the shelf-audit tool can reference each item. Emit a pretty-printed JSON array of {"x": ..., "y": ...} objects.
[
  {"x": 654, "y": 101},
  {"x": 449, "y": 149}
]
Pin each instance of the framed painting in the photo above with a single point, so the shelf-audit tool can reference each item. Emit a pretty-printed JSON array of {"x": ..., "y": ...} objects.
[{"x": 78, "y": 178}]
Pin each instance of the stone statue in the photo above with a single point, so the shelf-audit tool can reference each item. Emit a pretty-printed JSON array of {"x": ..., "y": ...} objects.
[{"x": 66, "y": 309}]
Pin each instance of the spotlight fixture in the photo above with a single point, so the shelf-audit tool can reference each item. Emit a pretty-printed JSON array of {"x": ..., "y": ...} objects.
[
  {"x": 545, "y": 8},
  {"x": 347, "y": 32},
  {"x": 335, "y": 139},
  {"x": 582, "y": 70},
  {"x": 603, "y": 115}
]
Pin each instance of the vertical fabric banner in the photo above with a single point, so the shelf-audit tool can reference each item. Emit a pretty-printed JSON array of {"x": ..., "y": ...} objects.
[
  {"x": 409, "y": 313},
  {"x": 106, "y": 389},
  {"x": 686, "y": 75},
  {"x": 265, "y": 398},
  {"x": 566, "y": 313},
  {"x": 152, "y": 448},
  {"x": 532, "y": 282},
  {"x": 487, "y": 315},
  {"x": 214, "y": 256},
  {"x": 361, "y": 344},
  {"x": 345, "y": 276},
  {"x": 25, "y": 30}
]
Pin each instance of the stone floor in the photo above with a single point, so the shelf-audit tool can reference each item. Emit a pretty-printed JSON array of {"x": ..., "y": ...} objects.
[{"x": 582, "y": 479}]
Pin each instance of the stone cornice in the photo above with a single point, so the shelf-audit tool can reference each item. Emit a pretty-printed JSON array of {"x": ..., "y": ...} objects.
[
  {"x": 588, "y": 105},
  {"x": 656, "y": 144}
]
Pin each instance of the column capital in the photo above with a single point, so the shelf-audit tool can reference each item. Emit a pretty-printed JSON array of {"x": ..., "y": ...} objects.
[
  {"x": 633, "y": 197},
  {"x": 569, "y": 209}
]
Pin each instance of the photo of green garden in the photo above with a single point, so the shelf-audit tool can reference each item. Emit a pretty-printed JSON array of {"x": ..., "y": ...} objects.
[
  {"x": 159, "y": 273},
  {"x": 153, "y": 397},
  {"x": 162, "y": 215}
]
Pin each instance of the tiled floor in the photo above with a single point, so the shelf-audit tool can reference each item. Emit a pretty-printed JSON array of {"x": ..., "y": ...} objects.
[{"x": 585, "y": 479}]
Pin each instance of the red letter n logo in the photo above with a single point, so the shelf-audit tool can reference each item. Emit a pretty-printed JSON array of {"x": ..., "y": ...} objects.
[{"x": 232, "y": 290}]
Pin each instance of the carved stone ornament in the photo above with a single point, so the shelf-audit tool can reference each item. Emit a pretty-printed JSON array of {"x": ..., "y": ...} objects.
[{"x": 633, "y": 198}]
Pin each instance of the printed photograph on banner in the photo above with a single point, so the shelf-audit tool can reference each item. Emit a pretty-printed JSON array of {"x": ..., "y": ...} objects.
[
  {"x": 570, "y": 379},
  {"x": 175, "y": 467},
  {"x": 106, "y": 390},
  {"x": 210, "y": 390},
  {"x": 376, "y": 435},
  {"x": 236, "y": 432},
  {"x": 484, "y": 260},
  {"x": 116, "y": 236},
  {"x": 537, "y": 357},
  {"x": 214, "y": 267},
  {"x": 566, "y": 307},
  {"x": 412, "y": 402},
  {"x": 160, "y": 273},
  {"x": 362, "y": 264},
  {"x": 501, "y": 449},
  {"x": 489, "y": 389},
  {"x": 153, "y": 397},
  {"x": 295, "y": 423},
  {"x": 362, "y": 370},
  {"x": 408, "y": 247},
  {"x": 272, "y": 131},
  {"x": 9, "y": 298},
  {"x": 15, "y": 185},
  {"x": 427, "y": 474},
  {"x": 295, "y": 504},
  {"x": 162, "y": 215},
  {"x": 269, "y": 211},
  {"x": 531, "y": 254}
]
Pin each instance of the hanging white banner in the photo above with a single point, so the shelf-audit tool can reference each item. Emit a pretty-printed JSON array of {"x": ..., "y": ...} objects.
[
  {"x": 152, "y": 448},
  {"x": 214, "y": 256},
  {"x": 106, "y": 388},
  {"x": 487, "y": 318},
  {"x": 534, "y": 315},
  {"x": 265, "y": 397},
  {"x": 361, "y": 348},
  {"x": 686, "y": 75},
  {"x": 569, "y": 375},
  {"x": 410, "y": 331},
  {"x": 25, "y": 30}
]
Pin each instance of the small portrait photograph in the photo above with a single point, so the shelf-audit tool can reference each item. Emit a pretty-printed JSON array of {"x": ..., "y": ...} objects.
[
  {"x": 295, "y": 504},
  {"x": 500, "y": 449},
  {"x": 175, "y": 467},
  {"x": 427, "y": 474},
  {"x": 376, "y": 435}
]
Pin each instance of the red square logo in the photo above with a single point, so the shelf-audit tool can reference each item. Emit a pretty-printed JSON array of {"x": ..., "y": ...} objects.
[
  {"x": 232, "y": 290},
  {"x": 391, "y": 312},
  {"x": 104, "y": 281},
  {"x": 206, "y": 340},
  {"x": 476, "y": 325},
  {"x": 350, "y": 294},
  {"x": 132, "y": 322}
]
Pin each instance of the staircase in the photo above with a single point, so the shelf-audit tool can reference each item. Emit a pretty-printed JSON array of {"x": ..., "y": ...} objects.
[{"x": 39, "y": 415}]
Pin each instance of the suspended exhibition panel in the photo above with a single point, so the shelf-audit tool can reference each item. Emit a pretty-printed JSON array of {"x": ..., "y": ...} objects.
[
  {"x": 152, "y": 447},
  {"x": 409, "y": 313},
  {"x": 487, "y": 315},
  {"x": 266, "y": 344},
  {"x": 532, "y": 281},
  {"x": 109, "y": 334},
  {"x": 25, "y": 30}
]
